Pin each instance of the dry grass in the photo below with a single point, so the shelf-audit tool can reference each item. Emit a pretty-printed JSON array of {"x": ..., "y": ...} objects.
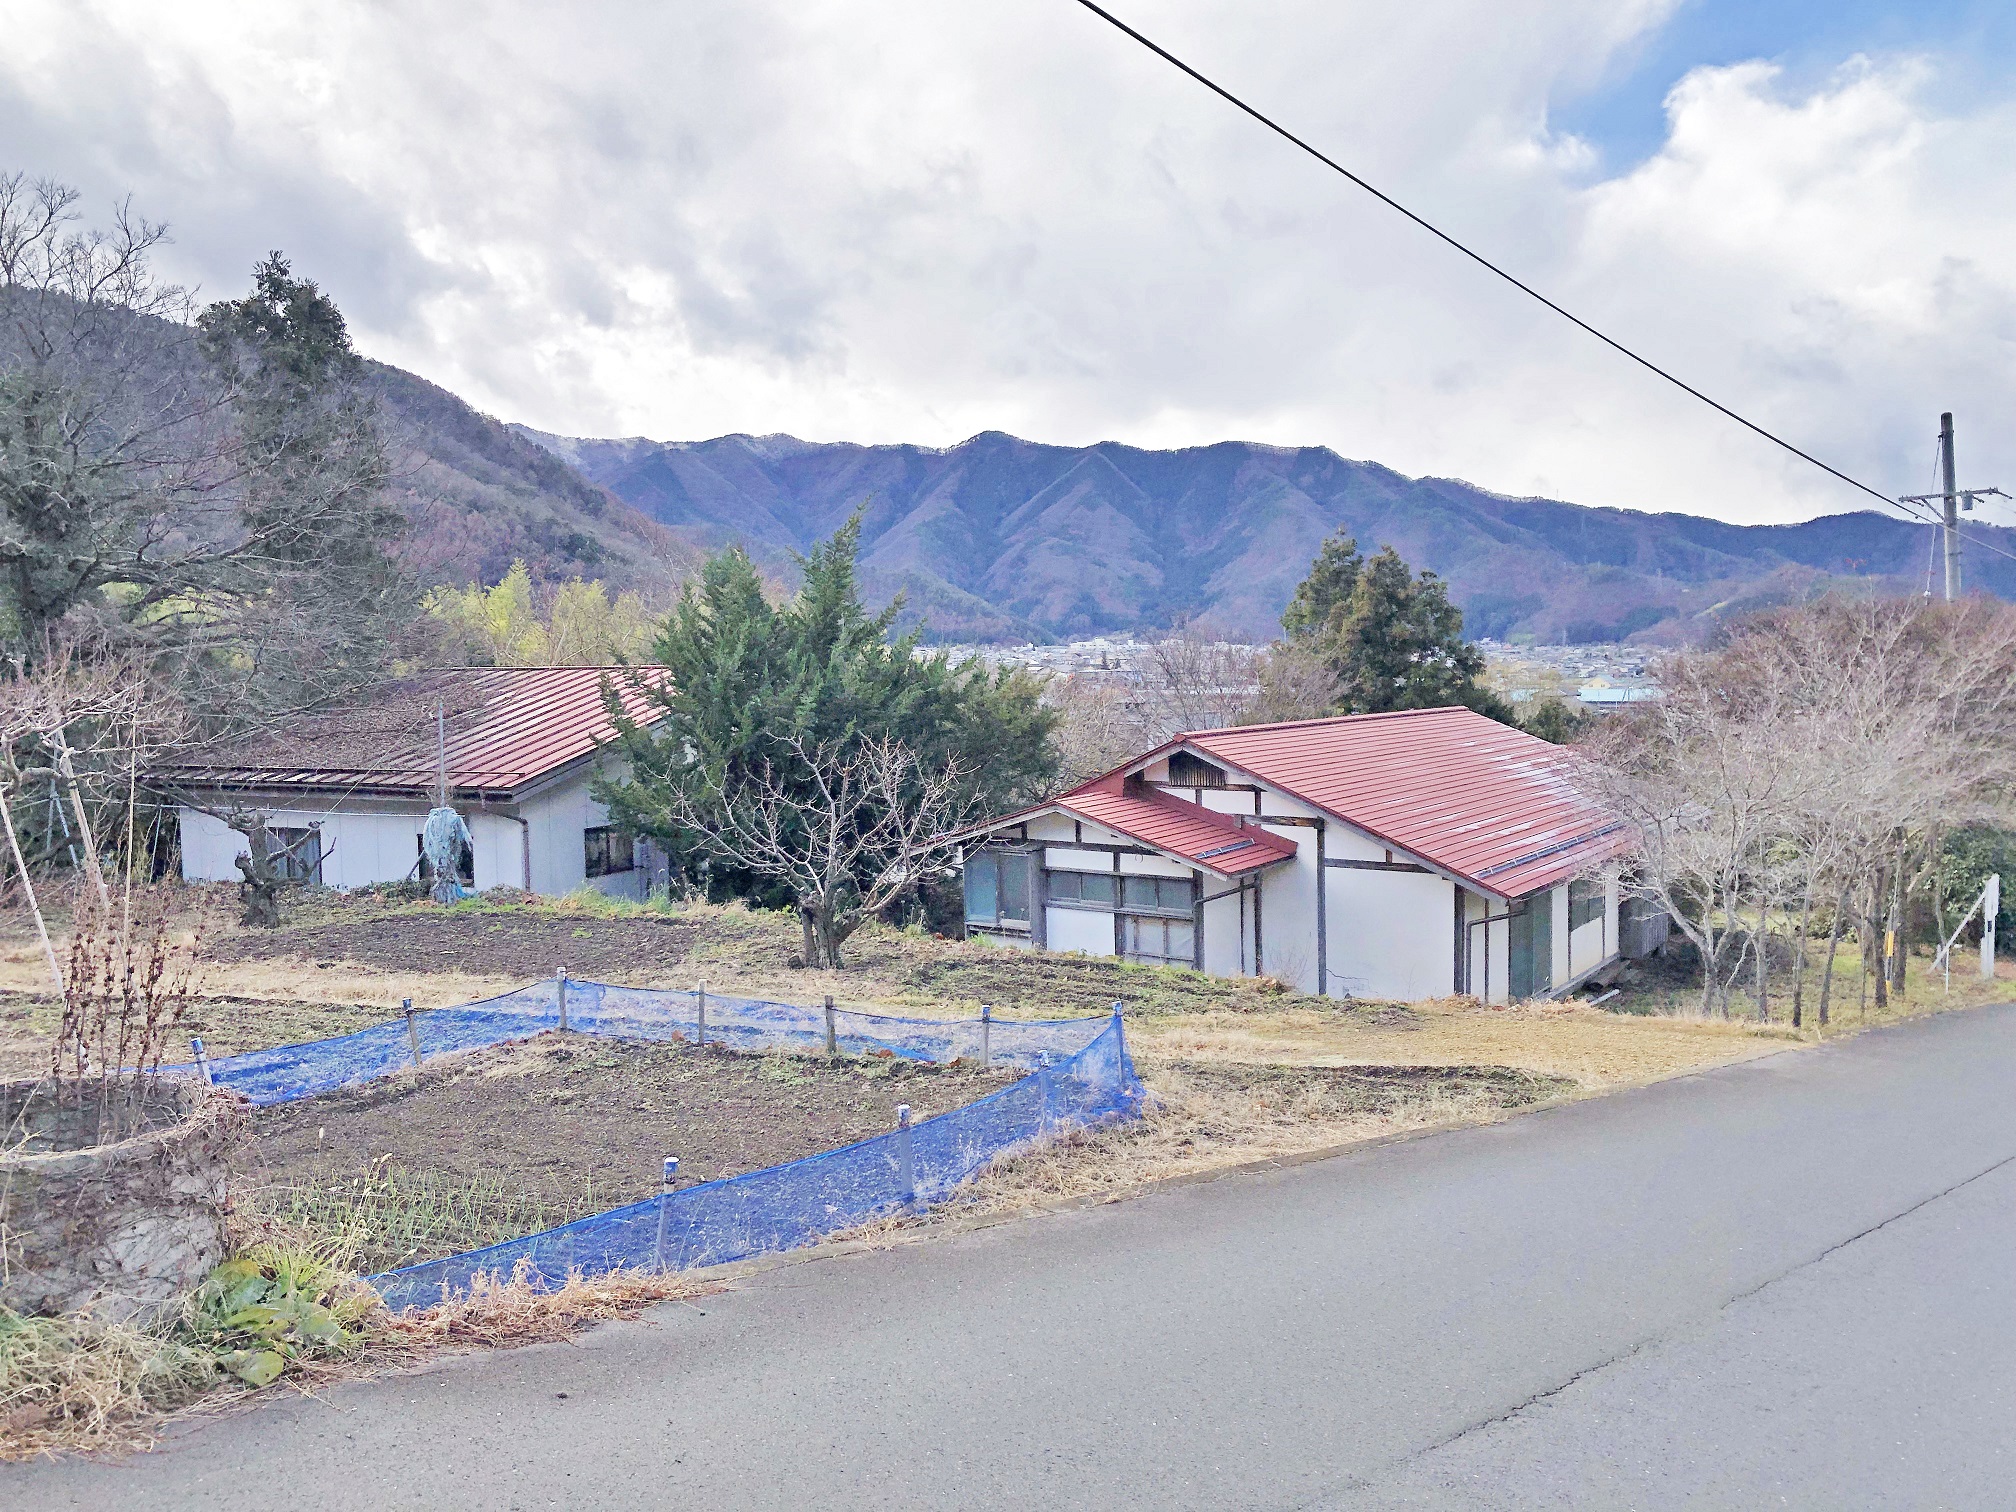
[
  {"x": 1592, "y": 1047},
  {"x": 77, "y": 1386},
  {"x": 1212, "y": 1117}
]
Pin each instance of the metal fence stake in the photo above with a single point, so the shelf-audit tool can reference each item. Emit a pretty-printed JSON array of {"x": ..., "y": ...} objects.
[
  {"x": 986, "y": 1036},
  {"x": 702, "y": 996},
  {"x": 412, "y": 1033},
  {"x": 832, "y": 1036},
  {"x": 560, "y": 981},
  {"x": 906, "y": 1165},
  {"x": 202, "y": 1063},
  {"x": 664, "y": 1210}
]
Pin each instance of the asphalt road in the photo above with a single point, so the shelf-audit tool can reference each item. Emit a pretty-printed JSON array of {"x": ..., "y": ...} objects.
[{"x": 1785, "y": 1283}]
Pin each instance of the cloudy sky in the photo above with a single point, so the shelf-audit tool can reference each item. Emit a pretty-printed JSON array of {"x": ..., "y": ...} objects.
[{"x": 886, "y": 220}]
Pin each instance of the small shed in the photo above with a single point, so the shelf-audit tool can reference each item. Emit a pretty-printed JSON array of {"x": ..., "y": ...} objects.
[
  {"x": 349, "y": 789},
  {"x": 1401, "y": 856}
]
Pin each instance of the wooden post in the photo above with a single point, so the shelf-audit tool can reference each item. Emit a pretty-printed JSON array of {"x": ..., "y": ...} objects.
[
  {"x": 986, "y": 1037},
  {"x": 560, "y": 986},
  {"x": 701, "y": 998},
  {"x": 832, "y": 1031},
  {"x": 412, "y": 1033},
  {"x": 202, "y": 1063}
]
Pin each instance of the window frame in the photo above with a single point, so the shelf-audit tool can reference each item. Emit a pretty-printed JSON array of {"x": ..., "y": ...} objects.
[
  {"x": 465, "y": 869},
  {"x": 295, "y": 861},
  {"x": 1587, "y": 897},
  {"x": 610, "y": 840},
  {"x": 996, "y": 857}
]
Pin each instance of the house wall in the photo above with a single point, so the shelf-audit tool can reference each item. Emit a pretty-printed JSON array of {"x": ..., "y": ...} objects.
[
  {"x": 1392, "y": 934},
  {"x": 1488, "y": 949},
  {"x": 378, "y": 840}
]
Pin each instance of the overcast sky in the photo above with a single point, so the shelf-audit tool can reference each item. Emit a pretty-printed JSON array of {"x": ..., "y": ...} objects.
[{"x": 911, "y": 220}]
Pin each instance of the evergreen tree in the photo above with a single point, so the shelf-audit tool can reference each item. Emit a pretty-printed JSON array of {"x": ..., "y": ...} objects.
[
  {"x": 1387, "y": 638},
  {"x": 745, "y": 687}
]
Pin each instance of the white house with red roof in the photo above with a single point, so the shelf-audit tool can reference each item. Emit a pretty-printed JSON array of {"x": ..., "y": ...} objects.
[
  {"x": 1399, "y": 856},
  {"x": 349, "y": 790}
]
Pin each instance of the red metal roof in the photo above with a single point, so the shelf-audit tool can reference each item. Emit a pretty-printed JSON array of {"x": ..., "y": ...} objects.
[
  {"x": 1489, "y": 804},
  {"x": 507, "y": 727},
  {"x": 1216, "y": 842}
]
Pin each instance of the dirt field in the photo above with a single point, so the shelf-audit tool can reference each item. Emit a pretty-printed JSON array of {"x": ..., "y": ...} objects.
[{"x": 511, "y": 1140}]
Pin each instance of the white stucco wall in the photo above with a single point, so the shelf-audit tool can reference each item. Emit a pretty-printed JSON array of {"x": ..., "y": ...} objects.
[
  {"x": 1086, "y": 930},
  {"x": 1392, "y": 934},
  {"x": 378, "y": 840}
]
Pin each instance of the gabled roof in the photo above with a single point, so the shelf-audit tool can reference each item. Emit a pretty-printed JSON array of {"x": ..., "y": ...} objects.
[
  {"x": 507, "y": 729},
  {"x": 1217, "y": 842},
  {"x": 1488, "y": 804}
]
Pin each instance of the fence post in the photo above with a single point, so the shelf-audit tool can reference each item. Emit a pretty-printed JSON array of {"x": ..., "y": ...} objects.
[
  {"x": 664, "y": 1210},
  {"x": 701, "y": 996},
  {"x": 412, "y": 1033},
  {"x": 1049, "y": 1118},
  {"x": 986, "y": 1037},
  {"x": 560, "y": 978},
  {"x": 202, "y": 1063},
  {"x": 906, "y": 1166},
  {"x": 832, "y": 1036}
]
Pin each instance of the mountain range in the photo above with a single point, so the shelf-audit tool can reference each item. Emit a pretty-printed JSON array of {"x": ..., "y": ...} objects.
[{"x": 999, "y": 538}]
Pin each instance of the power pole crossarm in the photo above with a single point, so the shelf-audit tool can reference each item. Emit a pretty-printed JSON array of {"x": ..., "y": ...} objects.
[{"x": 1951, "y": 499}]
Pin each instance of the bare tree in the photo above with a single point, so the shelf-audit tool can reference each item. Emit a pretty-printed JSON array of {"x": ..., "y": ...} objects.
[
  {"x": 1184, "y": 681},
  {"x": 1812, "y": 765},
  {"x": 846, "y": 831}
]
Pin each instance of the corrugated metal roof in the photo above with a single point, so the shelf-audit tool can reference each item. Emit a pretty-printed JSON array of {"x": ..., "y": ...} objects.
[
  {"x": 1216, "y": 842},
  {"x": 1489, "y": 804},
  {"x": 507, "y": 727}
]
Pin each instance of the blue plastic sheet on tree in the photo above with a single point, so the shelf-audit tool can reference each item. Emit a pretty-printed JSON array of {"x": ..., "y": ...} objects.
[{"x": 1081, "y": 1075}]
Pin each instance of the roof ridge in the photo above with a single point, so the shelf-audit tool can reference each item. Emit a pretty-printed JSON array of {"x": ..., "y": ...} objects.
[{"x": 1327, "y": 719}]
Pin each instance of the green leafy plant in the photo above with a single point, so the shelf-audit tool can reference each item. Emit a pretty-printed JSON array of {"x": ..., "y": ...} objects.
[{"x": 273, "y": 1307}]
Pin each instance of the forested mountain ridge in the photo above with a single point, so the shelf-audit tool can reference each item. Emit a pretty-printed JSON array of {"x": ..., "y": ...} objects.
[
  {"x": 1002, "y": 537},
  {"x": 480, "y": 496}
]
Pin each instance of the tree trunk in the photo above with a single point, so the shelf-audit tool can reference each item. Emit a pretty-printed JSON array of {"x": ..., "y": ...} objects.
[
  {"x": 806, "y": 913},
  {"x": 259, "y": 892},
  {"x": 1833, "y": 943},
  {"x": 1880, "y": 971},
  {"x": 1799, "y": 954},
  {"x": 1763, "y": 977},
  {"x": 1900, "y": 950}
]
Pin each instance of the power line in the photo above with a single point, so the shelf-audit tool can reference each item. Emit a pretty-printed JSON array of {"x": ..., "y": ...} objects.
[{"x": 1484, "y": 262}]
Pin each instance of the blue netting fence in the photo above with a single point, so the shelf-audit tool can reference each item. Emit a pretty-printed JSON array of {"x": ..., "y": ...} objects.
[{"x": 1080, "y": 1075}]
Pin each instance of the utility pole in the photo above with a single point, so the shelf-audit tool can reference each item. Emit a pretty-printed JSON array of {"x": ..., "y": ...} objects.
[
  {"x": 1952, "y": 503},
  {"x": 1951, "y": 499}
]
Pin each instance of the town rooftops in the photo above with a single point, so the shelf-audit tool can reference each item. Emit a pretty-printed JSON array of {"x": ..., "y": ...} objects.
[
  {"x": 508, "y": 729},
  {"x": 1491, "y": 806}
]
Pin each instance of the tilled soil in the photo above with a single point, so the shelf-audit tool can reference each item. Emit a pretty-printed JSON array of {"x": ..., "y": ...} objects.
[
  {"x": 1377, "y": 1090},
  {"x": 485, "y": 944},
  {"x": 566, "y": 1125}
]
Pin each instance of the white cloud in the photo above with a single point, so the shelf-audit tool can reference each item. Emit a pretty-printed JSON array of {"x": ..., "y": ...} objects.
[{"x": 911, "y": 220}]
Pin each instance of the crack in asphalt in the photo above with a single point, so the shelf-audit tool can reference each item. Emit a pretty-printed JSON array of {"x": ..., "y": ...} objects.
[{"x": 1362, "y": 1482}]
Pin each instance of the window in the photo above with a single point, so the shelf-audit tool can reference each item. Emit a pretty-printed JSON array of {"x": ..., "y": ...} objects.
[
  {"x": 1093, "y": 889},
  {"x": 465, "y": 864},
  {"x": 608, "y": 850},
  {"x": 1186, "y": 770},
  {"x": 1171, "y": 895},
  {"x": 1158, "y": 942},
  {"x": 997, "y": 888},
  {"x": 297, "y": 854},
  {"x": 1585, "y": 903}
]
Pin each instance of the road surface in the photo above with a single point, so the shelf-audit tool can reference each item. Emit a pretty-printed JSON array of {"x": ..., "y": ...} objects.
[{"x": 1783, "y": 1283}]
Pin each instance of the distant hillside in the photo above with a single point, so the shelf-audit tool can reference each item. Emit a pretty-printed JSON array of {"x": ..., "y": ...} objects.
[
  {"x": 480, "y": 496},
  {"x": 998, "y": 537}
]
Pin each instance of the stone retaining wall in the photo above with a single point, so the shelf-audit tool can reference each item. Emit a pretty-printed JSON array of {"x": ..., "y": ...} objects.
[{"x": 119, "y": 1228}]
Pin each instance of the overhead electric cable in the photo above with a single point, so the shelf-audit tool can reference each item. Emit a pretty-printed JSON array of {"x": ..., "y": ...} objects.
[{"x": 1484, "y": 262}]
